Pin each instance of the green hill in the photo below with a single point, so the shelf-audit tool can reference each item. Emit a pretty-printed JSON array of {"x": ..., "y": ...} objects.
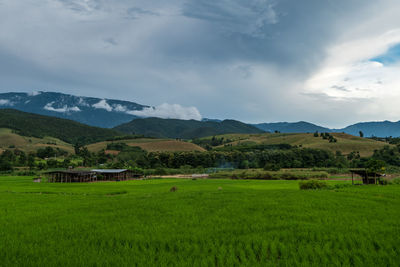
[
  {"x": 345, "y": 143},
  {"x": 184, "y": 129},
  {"x": 11, "y": 140},
  {"x": 39, "y": 126},
  {"x": 150, "y": 145}
]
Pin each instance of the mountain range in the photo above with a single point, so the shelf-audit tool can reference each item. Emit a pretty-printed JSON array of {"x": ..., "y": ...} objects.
[
  {"x": 105, "y": 113},
  {"x": 110, "y": 113},
  {"x": 185, "y": 129},
  {"x": 369, "y": 129}
]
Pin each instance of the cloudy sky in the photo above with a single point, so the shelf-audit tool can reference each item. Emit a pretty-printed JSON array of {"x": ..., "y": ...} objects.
[{"x": 331, "y": 62}]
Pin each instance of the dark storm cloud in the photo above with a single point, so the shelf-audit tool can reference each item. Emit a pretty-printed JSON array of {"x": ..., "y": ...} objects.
[
  {"x": 251, "y": 55},
  {"x": 281, "y": 32},
  {"x": 136, "y": 12}
]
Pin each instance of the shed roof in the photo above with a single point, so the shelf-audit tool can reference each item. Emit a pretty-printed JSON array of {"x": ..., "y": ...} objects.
[
  {"x": 365, "y": 172},
  {"x": 109, "y": 170},
  {"x": 72, "y": 172}
]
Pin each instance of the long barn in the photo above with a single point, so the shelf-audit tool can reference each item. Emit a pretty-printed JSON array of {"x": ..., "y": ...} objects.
[
  {"x": 72, "y": 176},
  {"x": 115, "y": 174}
]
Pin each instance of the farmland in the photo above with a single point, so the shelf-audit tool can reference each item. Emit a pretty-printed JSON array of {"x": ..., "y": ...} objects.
[
  {"x": 203, "y": 223},
  {"x": 345, "y": 143},
  {"x": 151, "y": 145},
  {"x": 9, "y": 139}
]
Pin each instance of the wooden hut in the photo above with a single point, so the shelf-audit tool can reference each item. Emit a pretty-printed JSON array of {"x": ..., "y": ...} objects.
[
  {"x": 368, "y": 177},
  {"x": 115, "y": 174},
  {"x": 71, "y": 176}
]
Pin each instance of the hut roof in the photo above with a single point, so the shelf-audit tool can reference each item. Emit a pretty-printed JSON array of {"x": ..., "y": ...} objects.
[
  {"x": 365, "y": 173},
  {"x": 72, "y": 172},
  {"x": 109, "y": 170}
]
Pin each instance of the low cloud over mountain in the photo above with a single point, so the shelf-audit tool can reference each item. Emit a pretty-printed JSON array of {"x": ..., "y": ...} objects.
[{"x": 93, "y": 111}]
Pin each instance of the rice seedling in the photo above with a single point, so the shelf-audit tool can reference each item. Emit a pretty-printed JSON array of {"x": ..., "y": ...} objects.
[{"x": 248, "y": 223}]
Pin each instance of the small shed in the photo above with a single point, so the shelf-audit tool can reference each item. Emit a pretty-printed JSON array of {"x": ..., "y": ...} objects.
[
  {"x": 368, "y": 177},
  {"x": 80, "y": 176},
  {"x": 71, "y": 176}
]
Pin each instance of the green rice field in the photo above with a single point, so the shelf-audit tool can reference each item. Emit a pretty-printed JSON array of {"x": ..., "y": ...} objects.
[{"x": 204, "y": 223}]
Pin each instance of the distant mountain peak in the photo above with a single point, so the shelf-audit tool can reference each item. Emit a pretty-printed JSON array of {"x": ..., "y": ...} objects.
[{"x": 93, "y": 111}]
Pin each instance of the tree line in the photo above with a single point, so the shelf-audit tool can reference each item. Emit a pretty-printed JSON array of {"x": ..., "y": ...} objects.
[{"x": 129, "y": 157}]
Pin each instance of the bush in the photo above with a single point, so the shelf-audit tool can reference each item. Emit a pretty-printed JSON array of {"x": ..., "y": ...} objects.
[
  {"x": 383, "y": 181},
  {"x": 272, "y": 167},
  {"x": 26, "y": 173},
  {"x": 6, "y": 166},
  {"x": 312, "y": 185},
  {"x": 395, "y": 181},
  {"x": 160, "y": 171}
]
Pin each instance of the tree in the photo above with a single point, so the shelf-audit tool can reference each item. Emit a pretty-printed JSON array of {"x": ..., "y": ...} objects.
[
  {"x": 376, "y": 166},
  {"x": 31, "y": 160},
  {"x": 361, "y": 134},
  {"x": 316, "y": 134},
  {"x": 5, "y": 165},
  {"x": 22, "y": 158}
]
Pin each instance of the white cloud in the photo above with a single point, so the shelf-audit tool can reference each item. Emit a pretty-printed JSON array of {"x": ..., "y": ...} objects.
[
  {"x": 102, "y": 104},
  {"x": 348, "y": 77},
  {"x": 5, "y": 102},
  {"x": 64, "y": 109},
  {"x": 348, "y": 72},
  {"x": 82, "y": 102},
  {"x": 168, "y": 111},
  {"x": 241, "y": 59},
  {"x": 120, "y": 108},
  {"x": 34, "y": 93}
]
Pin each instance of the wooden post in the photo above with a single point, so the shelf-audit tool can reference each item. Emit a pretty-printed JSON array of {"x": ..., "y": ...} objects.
[{"x": 352, "y": 178}]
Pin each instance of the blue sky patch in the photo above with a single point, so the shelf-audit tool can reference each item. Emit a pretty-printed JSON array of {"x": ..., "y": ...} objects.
[{"x": 390, "y": 57}]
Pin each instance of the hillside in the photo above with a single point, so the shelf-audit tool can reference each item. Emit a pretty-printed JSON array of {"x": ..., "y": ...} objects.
[
  {"x": 99, "y": 112},
  {"x": 369, "y": 129},
  {"x": 151, "y": 145},
  {"x": 345, "y": 143},
  {"x": 32, "y": 125},
  {"x": 184, "y": 129},
  {"x": 10, "y": 140}
]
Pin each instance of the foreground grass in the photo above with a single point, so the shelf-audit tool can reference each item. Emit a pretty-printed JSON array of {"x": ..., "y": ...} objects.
[{"x": 204, "y": 223}]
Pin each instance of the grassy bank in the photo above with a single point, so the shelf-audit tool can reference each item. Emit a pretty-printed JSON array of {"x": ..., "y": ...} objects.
[{"x": 259, "y": 174}]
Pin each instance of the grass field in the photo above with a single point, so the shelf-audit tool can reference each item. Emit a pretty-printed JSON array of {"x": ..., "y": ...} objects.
[
  {"x": 8, "y": 140},
  {"x": 203, "y": 223},
  {"x": 345, "y": 143},
  {"x": 151, "y": 145}
]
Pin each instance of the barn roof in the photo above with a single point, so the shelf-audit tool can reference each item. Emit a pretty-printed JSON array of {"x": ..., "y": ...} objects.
[
  {"x": 71, "y": 172},
  {"x": 364, "y": 173},
  {"x": 109, "y": 170}
]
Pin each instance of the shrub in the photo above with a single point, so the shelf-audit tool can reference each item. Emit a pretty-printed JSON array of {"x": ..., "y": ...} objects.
[
  {"x": 383, "y": 181},
  {"x": 396, "y": 181},
  {"x": 272, "y": 167},
  {"x": 312, "y": 185},
  {"x": 26, "y": 173},
  {"x": 160, "y": 171}
]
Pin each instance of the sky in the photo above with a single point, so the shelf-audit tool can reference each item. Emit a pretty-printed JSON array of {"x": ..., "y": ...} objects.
[{"x": 330, "y": 62}]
